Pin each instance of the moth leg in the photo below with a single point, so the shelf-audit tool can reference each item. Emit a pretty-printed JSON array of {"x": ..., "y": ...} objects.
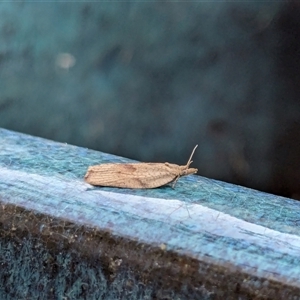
[{"x": 175, "y": 181}]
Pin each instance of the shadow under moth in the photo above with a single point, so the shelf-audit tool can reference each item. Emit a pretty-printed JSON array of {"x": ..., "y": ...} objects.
[{"x": 138, "y": 175}]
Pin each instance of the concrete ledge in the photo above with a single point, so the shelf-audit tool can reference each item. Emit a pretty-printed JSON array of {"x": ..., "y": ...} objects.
[{"x": 61, "y": 238}]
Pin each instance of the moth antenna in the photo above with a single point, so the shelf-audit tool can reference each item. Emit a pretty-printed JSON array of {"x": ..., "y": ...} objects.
[
  {"x": 187, "y": 166},
  {"x": 190, "y": 159}
]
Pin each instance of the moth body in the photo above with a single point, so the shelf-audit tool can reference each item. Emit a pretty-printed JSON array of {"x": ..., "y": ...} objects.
[{"x": 137, "y": 175}]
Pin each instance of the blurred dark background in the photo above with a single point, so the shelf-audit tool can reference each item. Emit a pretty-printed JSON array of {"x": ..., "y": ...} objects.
[{"x": 150, "y": 80}]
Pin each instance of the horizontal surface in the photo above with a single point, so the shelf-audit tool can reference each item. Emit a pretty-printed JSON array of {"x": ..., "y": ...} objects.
[{"x": 239, "y": 230}]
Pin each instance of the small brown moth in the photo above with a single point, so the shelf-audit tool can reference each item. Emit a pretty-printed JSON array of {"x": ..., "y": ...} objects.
[{"x": 138, "y": 175}]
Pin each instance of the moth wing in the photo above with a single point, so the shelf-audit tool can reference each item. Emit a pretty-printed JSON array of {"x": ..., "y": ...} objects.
[{"x": 132, "y": 175}]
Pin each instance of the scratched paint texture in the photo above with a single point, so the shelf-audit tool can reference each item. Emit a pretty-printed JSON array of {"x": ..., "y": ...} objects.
[{"x": 205, "y": 238}]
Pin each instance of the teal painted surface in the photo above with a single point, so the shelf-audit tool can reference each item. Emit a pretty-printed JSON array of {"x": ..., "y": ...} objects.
[{"x": 253, "y": 234}]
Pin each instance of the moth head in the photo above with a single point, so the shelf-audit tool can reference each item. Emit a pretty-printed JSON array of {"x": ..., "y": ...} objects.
[{"x": 188, "y": 171}]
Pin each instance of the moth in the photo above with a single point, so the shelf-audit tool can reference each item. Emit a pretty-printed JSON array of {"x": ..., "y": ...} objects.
[{"x": 138, "y": 175}]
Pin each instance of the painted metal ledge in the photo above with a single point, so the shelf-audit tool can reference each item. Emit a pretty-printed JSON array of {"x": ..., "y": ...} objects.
[{"x": 61, "y": 238}]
